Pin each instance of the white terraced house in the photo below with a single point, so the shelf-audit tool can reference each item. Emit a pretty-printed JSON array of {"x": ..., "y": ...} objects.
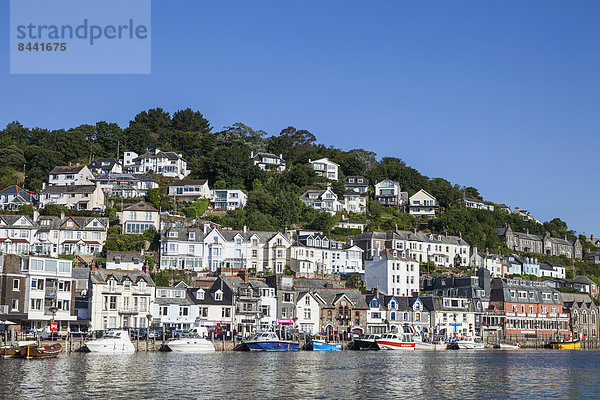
[
  {"x": 325, "y": 168},
  {"x": 174, "y": 307},
  {"x": 120, "y": 299},
  {"x": 74, "y": 197},
  {"x": 198, "y": 249},
  {"x": 312, "y": 254},
  {"x": 392, "y": 273},
  {"x": 51, "y": 235},
  {"x": 355, "y": 202},
  {"x": 347, "y": 261},
  {"x": 164, "y": 163}
]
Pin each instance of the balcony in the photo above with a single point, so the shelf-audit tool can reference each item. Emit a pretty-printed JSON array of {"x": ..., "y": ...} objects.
[{"x": 128, "y": 311}]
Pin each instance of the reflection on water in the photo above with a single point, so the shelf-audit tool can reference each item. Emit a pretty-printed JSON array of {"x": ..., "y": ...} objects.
[{"x": 414, "y": 375}]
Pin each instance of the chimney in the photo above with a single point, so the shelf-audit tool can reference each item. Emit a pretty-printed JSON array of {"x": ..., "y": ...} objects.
[
  {"x": 251, "y": 154},
  {"x": 281, "y": 156},
  {"x": 460, "y": 234},
  {"x": 244, "y": 275},
  {"x": 329, "y": 285},
  {"x": 527, "y": 231},
  {"x": 445, "y": 233},
  {"x": 36, "y": 215},
  {"x": 44, "y": 187},
  {"x": 62, "y": 215},
  {"x": 245, "y": 229},
  {"x": 205, "y": 228}
]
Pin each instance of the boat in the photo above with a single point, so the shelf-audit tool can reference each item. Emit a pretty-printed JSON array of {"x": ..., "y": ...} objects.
[
  {"x": 365, "y": 342},
  {"x": 38, "y": 351},
  {"x": 508, "y": 346},
  {"x": 268, "y": 341},
  {"x": 566, "y": 345},
  {"x": 401, "y": 341},
  {"x": 112, "y": 342},
  {"x": 12, "y": 350},
  {"x": 193, "y": 342},
  {"x": 468, "y": 342},
  {"x": 318, "y": 343}
]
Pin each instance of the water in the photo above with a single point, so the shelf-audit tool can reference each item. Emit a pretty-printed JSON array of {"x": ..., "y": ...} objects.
[{"x": 493, "y": 374}]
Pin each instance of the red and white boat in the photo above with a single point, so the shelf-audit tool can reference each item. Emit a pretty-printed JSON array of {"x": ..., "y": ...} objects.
[{"x": 402, "y": 341}]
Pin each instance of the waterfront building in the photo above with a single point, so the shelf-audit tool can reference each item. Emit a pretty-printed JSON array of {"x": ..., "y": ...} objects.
[
  {"x": 520, "y": 307},
  {"x": 127, "y": 260},
  {"x": 307, "y": 313},
  {"x": 70, "y": 176},
  {"x": 376, "y": 314},
  {"x": 189, "y": 190},
  {"x": 139, "y": 217},
  {"x": 268, "y": 161},
  {"x": 121, "y": 299},
  {"x": 13, "y": 290},
  {"x": 412, "y": 312},
  {"x": 174, "y": 307},
  {"x": 583, "y": 312},
  {"x": 325, "y": 168},
  {"x": 392, "y": 273},
  {"x": 452, "y": 317},
  {"x": 215, "y": 306}
]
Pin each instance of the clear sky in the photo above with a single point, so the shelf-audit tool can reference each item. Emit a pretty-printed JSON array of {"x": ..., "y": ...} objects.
[{"x": 503, "y": 96}]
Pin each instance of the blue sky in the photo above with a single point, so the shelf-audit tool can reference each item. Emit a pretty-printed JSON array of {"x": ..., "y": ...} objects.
[{"x": 502, "y": 96}]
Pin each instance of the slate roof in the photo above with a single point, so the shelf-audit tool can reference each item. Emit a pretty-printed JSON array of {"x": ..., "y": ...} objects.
[
  {"x": 105, "y": 164},
  {"x": 161, "y": 154},
  {"x": 101, "y": 276},
  {"x": 81, "y": 273},
  {"x": 66, "y": 169},
  {"x": 260, "y": 156},
  {"x": 70, "y": 189},
  {"x": 17, "y": 191},
  {"x": 189, "y": 182},
  {"x": 579, "y": 300},
  {"x": 332, "y": 296},
  {"x": 140, "y": 206},
  {"x": 124, "y": 256}
]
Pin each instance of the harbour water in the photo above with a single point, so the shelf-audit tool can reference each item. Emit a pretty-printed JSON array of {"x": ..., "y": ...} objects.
[{"x": 488, "y": 374}]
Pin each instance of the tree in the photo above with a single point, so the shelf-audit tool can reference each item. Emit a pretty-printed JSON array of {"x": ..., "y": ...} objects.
[
  {"x": 190, "y": 121},
  {"x": 196, "y": 209},
  {"x": 355, "y": 282}
]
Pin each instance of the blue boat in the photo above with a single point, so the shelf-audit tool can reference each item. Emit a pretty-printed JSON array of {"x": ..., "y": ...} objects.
[
  {"x": 268, "y": 341},
  {"x": 318, "y": 344}
]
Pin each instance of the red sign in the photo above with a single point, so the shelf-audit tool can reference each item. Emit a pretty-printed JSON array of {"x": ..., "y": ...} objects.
[{"x": 53, "y": 326}]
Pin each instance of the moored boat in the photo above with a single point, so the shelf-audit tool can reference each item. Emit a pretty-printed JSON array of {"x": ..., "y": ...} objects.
[
  {"x": 12, "y": 350},
  {"x": 365, "y": 342},
  {"x": 268, "y": 341},
  {"x": 318, "y": 343},
  {"x": 396, "y": 341},
  {"x": 566, "y": 345},
  {"x": 111, "y": 343},
  {"x": 38, "y": 351},
  {"x": 193, "y": 342},
  {"x": 508, "y": 346},
  {"x": 469, "y": 343}
]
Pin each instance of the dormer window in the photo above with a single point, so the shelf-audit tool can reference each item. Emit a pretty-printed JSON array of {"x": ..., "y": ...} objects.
[
  {"x": 219, "y": 296},
  {"x": 117, "y": 260},
  {"x": 127, "y": 285},
  {"x": 111, "y": 285},
  {"x": 142, "y": 286},
  {"x": 70, "y": 224},
  {"x": 200, "y": 294},
  {"x": 192, "y": 235},
  {"x": 216, "y": 240}
]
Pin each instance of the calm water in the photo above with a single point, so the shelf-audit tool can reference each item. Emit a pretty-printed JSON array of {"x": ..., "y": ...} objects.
[{"x": 492, "y": 374}]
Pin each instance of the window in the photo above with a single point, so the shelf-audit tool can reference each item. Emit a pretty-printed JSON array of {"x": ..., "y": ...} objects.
[
  {"x": 143, "y": 307},
  {"x": 204, "y": 312},
  {"x": 127, "y": 285},
  {"x": 307, "y": 313},
  {"x": 37, "y": 284},
  {"x": 254, "y": 253},
  {"x": 111, "y": 285},
  {"x": 16, "y": 284},
  {"x": 307, "y": 301},
  {"x": 288, "y": 297},
  {"x": 219, "y": 296},
  {"x": 36, "y": 304},
  {"x": 225, "y": 312},
  {"x": 112, "y": 304},
  {"x": 393, "y": 315},
  {"x": 184, "y": 311},
  {"x": 15, "y": 305}
]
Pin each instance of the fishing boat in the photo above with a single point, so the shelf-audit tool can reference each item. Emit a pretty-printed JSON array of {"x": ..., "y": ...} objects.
[
  {"x": 12, "y": 350},
  {"x": 574, "y": 344},
  {"x": 193, "y": 342},
  {"x": 365, "y": 342},
  {"x": 318, "y": 343},
  {"x": 470, "y": 343},
  {"x": 401, "y": 341},
  {"x": 37, "y": 351},
  {"x": 112, "y": 342},
  {"x": 268, "y": 341}
]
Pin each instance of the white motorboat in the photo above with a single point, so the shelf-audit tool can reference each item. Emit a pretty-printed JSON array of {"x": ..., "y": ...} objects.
[
  {"x": 193, "y": 342},
  {"x": 509, "y": 346},
  {"x": 402, "y": 341},
  {"x": 468, "y": 342},
  {"x": 112, "y": 342}
]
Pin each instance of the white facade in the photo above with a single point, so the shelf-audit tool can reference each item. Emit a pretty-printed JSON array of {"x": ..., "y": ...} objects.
[
  {"x": 347, "y": 261},
  {"x": 423, "y": 205},
  {"x": 189, "y": 190},
  {"x": 491, "y": 262},
  {"x": 138, "y": 218},
  {"x": 120, "y": 299},
  {"x": 75, "y": 197},
  {"x": 392, "y": 273},
  {"x": 355, "y": 203},
  {"x": 228, "y": 199},
  {"x": 165, "y": 163},
  {"x": 471, "y": 202},
  {"x": 126, "y": 185},
  {"x": 307, "y": 313},
  {"x": 174, "y": 308},
  {"x": 268, "y": 161},
  {"x": 325, "y": 168},
  {"x": 325, "y": 200},
  {"x": 125, "y": 260},
  {"x": 268, "y": 307},
  {"x": 67, "y": 175}
]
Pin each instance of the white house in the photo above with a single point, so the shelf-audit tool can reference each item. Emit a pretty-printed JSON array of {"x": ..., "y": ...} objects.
[
  {"x": 423, "y": 205},
  {"x": 126, "y": 185},
  {"x": 126, "y": 260},
  {"x": 325, "y": 200},
  {"x": 105, "y": 166},
  {"x": 268, "y": 161},
  {"x": 311, "y": 254},
  {"x": 356, "y": 183},
  {"x": 387, "y": 192},
  {"x": 189, "y": 190},
  {"x": 13, "y": 197},
  {"x": 120, "y": 299},
  {"x": 75, "y": 197},
  {"x": 355, "y": 202},
  {"x": 325, "y": 168},
  {"x": 139, "y": 217},
  {"x": 552, "y": 269},
  {"x": 347, "y": 261},
  {"x": 165, "y": 163},
  {"x": 392, "y": 273},
  {"x": 307, "y": 313},
  {"x": 215, "y": 306},
  {"x": 346, "y": 224},
  {"x": 70, "y": 175},
  {"x": 472, "y": 202},
  {"x": 491, "y": 262},
  {"x": 174, "y": 307},
  {"x": 228, "y": 199}
]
